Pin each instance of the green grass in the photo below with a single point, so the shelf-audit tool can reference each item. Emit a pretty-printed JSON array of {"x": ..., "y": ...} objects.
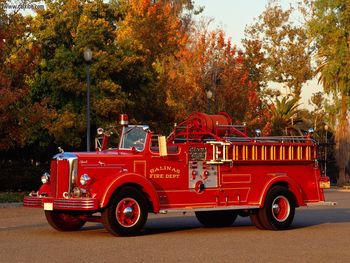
[{"x": 12, "y": 197}]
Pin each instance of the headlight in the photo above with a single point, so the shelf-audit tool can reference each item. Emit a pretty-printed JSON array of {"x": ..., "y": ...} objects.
[
  {"x": 45, "y": 178},
  {"x": 76, "y": 192},
  {"x": 85, "y": 179}
]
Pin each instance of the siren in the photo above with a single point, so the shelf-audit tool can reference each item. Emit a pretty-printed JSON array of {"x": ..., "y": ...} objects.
[{"x": 123, "y": 119}]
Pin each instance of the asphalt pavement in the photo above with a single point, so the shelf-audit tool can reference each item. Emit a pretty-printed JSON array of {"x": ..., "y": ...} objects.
[{"x": 318, "y": 234}]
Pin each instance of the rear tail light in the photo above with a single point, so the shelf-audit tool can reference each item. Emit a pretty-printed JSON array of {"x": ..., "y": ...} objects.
[{"x": 325, "y": 182}]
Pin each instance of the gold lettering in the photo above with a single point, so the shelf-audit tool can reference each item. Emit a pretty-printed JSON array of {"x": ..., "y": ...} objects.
[
  {"x": 156, "y": 173},
  {"x": 156, "y": 176},
  {"x": 172, "y": 176}
]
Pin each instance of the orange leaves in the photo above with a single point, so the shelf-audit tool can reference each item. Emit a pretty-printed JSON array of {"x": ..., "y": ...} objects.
[
  {"x": 18, "y": 115},
  {"x": 8, "y": 97},
  {"x": 147, "y": 59},
  {"x": 19, "y": 118},
  {"x": 279, "y": 48},
  {"x": 65, "y": 126},
  {"x": 151, "y": 28},
  {"x": 210, "y": 62}
]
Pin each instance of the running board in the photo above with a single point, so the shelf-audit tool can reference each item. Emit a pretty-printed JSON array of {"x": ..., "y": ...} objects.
[
  {"x": 185, "y": 210},
  {"x": 321, "y": 203}
]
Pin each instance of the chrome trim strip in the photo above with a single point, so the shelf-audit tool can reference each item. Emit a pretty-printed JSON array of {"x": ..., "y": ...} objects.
[
  {"x": 64, "y": 156},
  {"x": 235, "y": 207},
  {"x": 73, "y": 166},
  {"x": 30, "y": 201},
  {"x": 83, "y": 204}
]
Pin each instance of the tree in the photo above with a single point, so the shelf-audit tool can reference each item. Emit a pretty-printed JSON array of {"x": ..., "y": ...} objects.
[
  {"x": 284, "y": 47},
  {"x": 318, "y": 113},
  {"x": 129, "y": 40},
  {"x": 20, "y": 119},
  {"x": 285, "y": 117},
  {"x": 62, "y": 32},
  {"x": 210, "y": 62},
  {"x": 328, "y": 27},
  {"x": 151, "y": 34}
]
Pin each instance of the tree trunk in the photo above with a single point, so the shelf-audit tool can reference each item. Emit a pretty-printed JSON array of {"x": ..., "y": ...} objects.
[{"x": 342, "y": 146}]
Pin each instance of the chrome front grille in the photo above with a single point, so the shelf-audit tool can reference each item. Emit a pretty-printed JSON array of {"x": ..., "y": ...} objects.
[
  {"x": 53, "y": 177},
  {"x": 66, "y": 173}
]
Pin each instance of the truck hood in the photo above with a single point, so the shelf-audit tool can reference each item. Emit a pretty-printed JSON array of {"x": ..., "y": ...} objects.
[{"x": 108, "y": 153}]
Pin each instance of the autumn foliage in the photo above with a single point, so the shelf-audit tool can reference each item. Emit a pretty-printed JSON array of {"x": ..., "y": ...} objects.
[
  {"x": 210, "y": 62},
  {"x": 150, "y": 59},
  {"x": 20, "y": 118},
  {"x": 155, "y": 62}
]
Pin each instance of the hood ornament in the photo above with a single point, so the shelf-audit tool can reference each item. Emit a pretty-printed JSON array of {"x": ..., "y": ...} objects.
[{"x": 60, "y": 150}]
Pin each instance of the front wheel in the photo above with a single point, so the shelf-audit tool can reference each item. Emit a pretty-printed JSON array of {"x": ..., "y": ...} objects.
[
  {"x": 127, "y": 212},
  {"x": 278, "y": 211},
  {"x": 217, "y": 218},
  {"x": 64, "y": 221}
]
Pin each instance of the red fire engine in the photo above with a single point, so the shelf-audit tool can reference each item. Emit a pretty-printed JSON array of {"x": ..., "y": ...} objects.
[{"x": 206, "y": 165}]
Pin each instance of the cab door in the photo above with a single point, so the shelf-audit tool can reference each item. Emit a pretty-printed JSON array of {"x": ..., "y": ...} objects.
[{"x": 169, "y": 173}]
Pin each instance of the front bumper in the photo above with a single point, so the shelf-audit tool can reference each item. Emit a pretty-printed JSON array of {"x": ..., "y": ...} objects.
[
  {"x": 33, "y": 201},
  {"x": 50, "y": 203}
]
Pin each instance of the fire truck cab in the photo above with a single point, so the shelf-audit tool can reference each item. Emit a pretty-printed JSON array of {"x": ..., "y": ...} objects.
[{"x": 206, "y": 165}]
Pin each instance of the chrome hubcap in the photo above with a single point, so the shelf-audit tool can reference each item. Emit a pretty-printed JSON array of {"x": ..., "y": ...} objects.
[
  {"x": 280, "y": 208},
  {"x": 128, "y": 212}
]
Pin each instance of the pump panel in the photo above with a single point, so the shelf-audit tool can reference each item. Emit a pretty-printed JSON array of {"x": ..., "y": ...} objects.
[{"x": 202, "y": 175}]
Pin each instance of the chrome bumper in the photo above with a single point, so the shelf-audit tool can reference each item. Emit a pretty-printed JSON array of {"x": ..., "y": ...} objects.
[
  {"x": 33, "y": 201},
  {"x": 49, "y": 203}
]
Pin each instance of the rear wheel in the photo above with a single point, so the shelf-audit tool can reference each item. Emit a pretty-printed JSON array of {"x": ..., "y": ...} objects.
[
  {"x": 256, "y": 220},
  {"x": 127, "y": 212},
  {"x": 64, "y": 221},
  {"x": 217, "y": 218},
  {"x": 279, "y": 209}
]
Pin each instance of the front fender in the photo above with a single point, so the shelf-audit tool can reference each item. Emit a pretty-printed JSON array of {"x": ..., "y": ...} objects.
[
  {"x": 45, "y": 189},
  {"x": 282, "y": 179},
  {"x": 127, "y": 179}
]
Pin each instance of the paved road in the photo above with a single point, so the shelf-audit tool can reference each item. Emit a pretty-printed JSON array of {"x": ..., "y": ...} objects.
[{"x": 319, "y": 234}]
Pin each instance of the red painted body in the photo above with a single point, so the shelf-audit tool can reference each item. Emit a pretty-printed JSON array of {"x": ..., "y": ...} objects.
[{"x": 210, "y": 164}]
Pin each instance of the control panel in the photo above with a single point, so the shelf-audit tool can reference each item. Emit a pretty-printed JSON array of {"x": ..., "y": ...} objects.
[{"x": 202, "y": 176}]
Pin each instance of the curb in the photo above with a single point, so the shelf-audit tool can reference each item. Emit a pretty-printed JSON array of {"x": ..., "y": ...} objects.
[
  {"x": 345, "y": 189},
  {"x": 10, "y": 205}
]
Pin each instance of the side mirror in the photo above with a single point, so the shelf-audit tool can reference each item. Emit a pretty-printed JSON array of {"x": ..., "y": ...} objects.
[
  {"x": 162, "y": 146},
  {"x": 257, "y": 132},
  {"x": 98, "y": 139},
  {"x": 101, "y": 140},
  {"x": 100, "y": 131}
]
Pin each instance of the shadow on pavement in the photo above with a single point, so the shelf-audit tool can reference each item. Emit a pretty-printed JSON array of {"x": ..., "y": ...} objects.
[
  {"x": 306, "y": 217},
  {"x": 303, "y": 218}
]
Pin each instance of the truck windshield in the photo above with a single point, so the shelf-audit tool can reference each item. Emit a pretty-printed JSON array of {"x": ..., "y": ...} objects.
[{"x": 133, "y": 136}]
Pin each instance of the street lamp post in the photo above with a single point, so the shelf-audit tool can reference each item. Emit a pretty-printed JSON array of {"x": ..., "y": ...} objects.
[
  {"x": 209, "y": 96},
  {"x": 88, "y": 57},
  {"x": 326, "y": 148}
]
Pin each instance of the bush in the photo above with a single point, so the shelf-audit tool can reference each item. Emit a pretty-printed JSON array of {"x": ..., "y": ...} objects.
[
  {"x": 20, "y": 176},
  {"x": 10, "y": 197}
]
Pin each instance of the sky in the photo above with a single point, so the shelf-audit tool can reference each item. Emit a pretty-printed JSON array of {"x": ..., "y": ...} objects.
[{"x": 234, "y": 15}]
